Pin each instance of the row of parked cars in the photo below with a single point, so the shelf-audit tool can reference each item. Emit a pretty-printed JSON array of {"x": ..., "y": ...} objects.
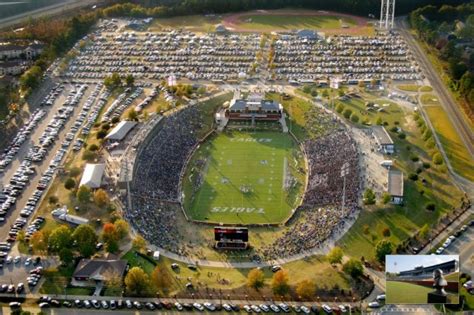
[
  {"x": 116, "y": 109},
  {"x": 94, "y": 109},
  {"x": 53, "y": 94},
  {"x": 23, "y": 133},
  {"x": 46, "y": 302},
  {"x": 453, "y": 237}
]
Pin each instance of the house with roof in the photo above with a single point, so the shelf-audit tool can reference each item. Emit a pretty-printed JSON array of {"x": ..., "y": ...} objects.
[
  {"x": 12, "y": 67},
  {"x": 91, "y": 271},
  {"x": 383, "y": 139},
  {"x": 28, "y": 51},
  {"x": 255, "y": 107},
  {"x": 395, "y": 186}
]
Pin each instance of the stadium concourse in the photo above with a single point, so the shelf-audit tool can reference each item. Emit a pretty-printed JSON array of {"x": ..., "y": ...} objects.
[{"x": 162, "y": 156}]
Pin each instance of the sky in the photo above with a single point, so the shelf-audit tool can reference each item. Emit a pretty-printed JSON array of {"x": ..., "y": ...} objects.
[{"x": 397, "y": 263}]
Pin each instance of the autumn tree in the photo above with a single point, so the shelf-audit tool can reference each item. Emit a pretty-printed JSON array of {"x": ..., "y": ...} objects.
[
  {"x": 121, "y": 228},
  {"x": 306, "y": 289},
  {"x": 137, "y": 282},
  {"x": 256, "y": 279},
  {"x": 86, "y": 239},
  {"x": 280, "y": 284},
  {"x": 335, "y": 255},
  {"x": 139, "y": 244},
  {"x": 60, "y": 238},
  {"x": 101, "y": 198},
  {"x": 161, "y": 279},
  {"x": 39, "y": 242}
]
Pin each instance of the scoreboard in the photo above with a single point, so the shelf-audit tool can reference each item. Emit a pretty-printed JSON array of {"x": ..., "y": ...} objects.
[{"x": 231, "y": 234}]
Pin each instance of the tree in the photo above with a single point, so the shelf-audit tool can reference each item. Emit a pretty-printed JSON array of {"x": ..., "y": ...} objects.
[
  {"x": 347, "y": 113},
  {"x": 354, "y": 268},
  {"x": 280, "y": 284},
  {"x": 66, "y": 256},
  {"x": 100, "y": 198},
  {"x": 83, "y": 194},
  {"x": 383, "y": 248},
  {"x": 113, "y": 281},
  {"x": 137, "y": 282},
  {"x": 113, "y": 81},
  {"x": 121, "y": 228},
  {"x": 369, "y": 197},
  {"x": 335, "y": 255},
  {"x": 354, "y": 118},
  {"x": 437, "y": 159},
  {"x": 53, "y": 199},
  {"x": 109, "y": 233},
  {"x": 424, "y": 231},
  {"x": 86, "y": 239},
  {"x": 306, "y": 289},
  {"x": 112, "y": 246},
  {"x": 339, "y": 108},
  {"x": 386, "y": 232},
  {"x": 61, "y": 237},
  {"x": 70, "y": 183},
  {"x": 139, "y": 244},
  {"x": 386, "y": 198},
  {"x": 256, "y": 279},
  {"x": 132, "y": 114},
  {"x": 129, "y": 80},
  {"x": 39, "y": 242},
  {"x": 161, "y": 279}
]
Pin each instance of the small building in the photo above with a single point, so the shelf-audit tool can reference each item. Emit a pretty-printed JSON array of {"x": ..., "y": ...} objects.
[
  {"x": 383, "y": 139},
  {"x": 92, "y": 176},
  {"x": 28, "y": 51},
  {"x": 119, "y": 132},
  {"x": 395, "y": 186},
  {"x": 13, "y": 67},
  {"x": 254, "y": 108},
  {"x": 96, "y": 270}
]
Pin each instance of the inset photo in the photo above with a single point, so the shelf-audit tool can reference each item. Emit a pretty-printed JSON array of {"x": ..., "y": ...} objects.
[{"x": 422, "y": 279}]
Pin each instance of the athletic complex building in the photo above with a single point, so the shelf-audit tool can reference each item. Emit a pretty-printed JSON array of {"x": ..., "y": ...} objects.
[
  {"x": 427, "y": 272},
  {"x": 255, "y": 107}
]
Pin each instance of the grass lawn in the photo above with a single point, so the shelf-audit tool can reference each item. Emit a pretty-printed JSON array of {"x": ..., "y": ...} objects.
[
  {"x": 192, "y": 23},
  {"x": 452, "y": 143},
  {"x": 403, "y": 221},
  {"x": 406, "y": 293},
  {"x": 429, "y": 99},
  {"x": 272, "y": 23},
  {"x": 414, "y": 88},
  {"x": 243, "y": 178},
  {"x": 56, "y": 280},
  {"x": 138, "y": 261}
]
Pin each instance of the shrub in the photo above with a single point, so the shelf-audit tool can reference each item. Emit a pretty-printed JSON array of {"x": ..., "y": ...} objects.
[
  {"x": 88, "y": 155},
  {"x": 101, "y": 134},
  {"x": 70, "y": 183},
  {"x": 386, "y": 198},
  {"x": 419, "y": 170},
  {"x": 402, "y": 135},
  {"x": 437, "y": 159},
  {"x": 386, "y": 232},
  {"x": 339, "y": 108},
  {"x": 394, "y": 129},
  {"x": 347, "y": 113},
  {"x": 354, "y": 118},
  {"x": 396, "y": 122},
  {"x": 75, "y": 171},
  {"x": 93, "y": 147},
  {"x": 413, "y": 176},
  {"x": 314, "y": 92},
  {"x": 369, "y": 197},
  {"x": 105, "y": 126},
  {"x": 115, "y": 120},
  {"x": 414, "y": 158},
  {"x": 385, "y": 123},
  {"x": 426, "y": 165},
  {"x": 430, "y": 206},
  {"x": 430, "y": 144}
]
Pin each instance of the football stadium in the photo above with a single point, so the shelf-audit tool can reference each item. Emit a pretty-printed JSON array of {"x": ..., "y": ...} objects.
[{"x": 245, "y": 178}]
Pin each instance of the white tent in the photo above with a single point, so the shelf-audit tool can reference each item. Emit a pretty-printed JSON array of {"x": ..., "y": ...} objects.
[
  {"x": 92, "y": 176},
  {"x": 121, "y": 130}
]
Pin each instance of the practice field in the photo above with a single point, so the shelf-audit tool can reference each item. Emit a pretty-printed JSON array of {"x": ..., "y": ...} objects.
[
  {"x": 244, "y": 178},
  {"x": 406, "y": 293},
  {"x": 290, "y": 20}
]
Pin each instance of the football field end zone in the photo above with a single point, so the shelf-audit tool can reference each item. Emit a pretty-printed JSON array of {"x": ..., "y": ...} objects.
[{"x": 296, "y": 146}]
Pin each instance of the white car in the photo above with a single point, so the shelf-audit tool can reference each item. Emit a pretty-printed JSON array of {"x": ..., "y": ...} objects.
[
  {"x": 381, "y": 297},
  {"x": 227, "y": 307},
  {"x": 439, "y": 250},
  {"x": 468, "y": 285},
  {"x": 28, "y": 261},
  {"x": 374, "y": 304},
  {"x": 342, "y": 308},
  {"x": 327, "y": 308},
  {"x": 255, "y": 308},
  {"x": 305, "y": 309},
  {"x": 198, "y": 306}
]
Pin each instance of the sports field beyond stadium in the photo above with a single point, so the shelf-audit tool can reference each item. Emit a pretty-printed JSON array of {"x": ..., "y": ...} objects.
[{"x": 244, "y": 178}]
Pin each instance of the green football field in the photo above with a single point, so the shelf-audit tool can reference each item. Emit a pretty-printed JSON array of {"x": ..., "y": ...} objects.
[
  {"x": 399, "y": 292},
  {"x": 244, "y": 178}
]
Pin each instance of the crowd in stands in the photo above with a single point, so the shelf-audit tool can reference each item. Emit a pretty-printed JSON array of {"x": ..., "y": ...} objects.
[{"x": 321, "y": 214}]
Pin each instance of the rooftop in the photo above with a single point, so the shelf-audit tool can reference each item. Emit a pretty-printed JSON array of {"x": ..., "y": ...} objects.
[{"x": 395, "y": 183}]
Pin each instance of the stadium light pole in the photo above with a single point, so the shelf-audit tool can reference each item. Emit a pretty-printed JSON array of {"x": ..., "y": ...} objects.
[{"x": 344, "y": 173}]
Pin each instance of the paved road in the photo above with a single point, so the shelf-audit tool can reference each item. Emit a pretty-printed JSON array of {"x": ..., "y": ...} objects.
[
  {"x": 449, "y": 104},
  {"x": 67, "y": 5},
  {"x": 464, "y": 247}
]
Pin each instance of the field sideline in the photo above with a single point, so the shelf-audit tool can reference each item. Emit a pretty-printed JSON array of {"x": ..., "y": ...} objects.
[{"x": 241, "y": 178}]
